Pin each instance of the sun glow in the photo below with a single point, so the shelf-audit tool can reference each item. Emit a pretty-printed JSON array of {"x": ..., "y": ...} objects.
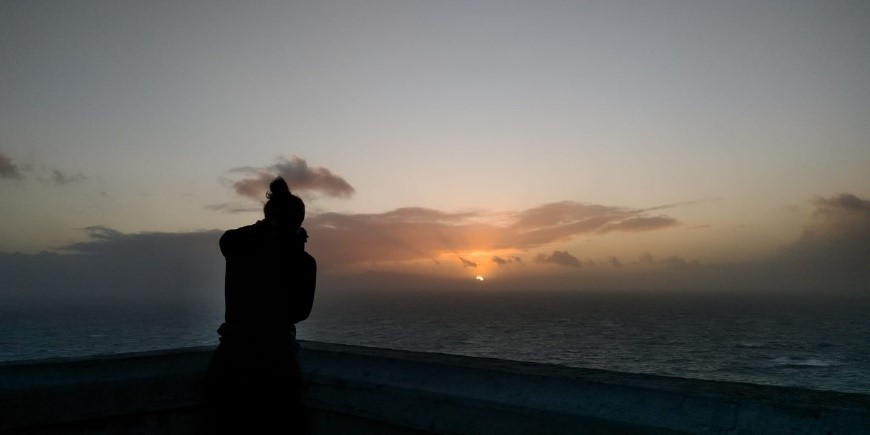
[{"x": 479, "y": 278}]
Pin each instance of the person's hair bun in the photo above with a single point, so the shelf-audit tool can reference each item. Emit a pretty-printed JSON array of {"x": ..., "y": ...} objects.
[
  {"x": 278, "y": 189},
  {"x": 282, "y": 205}
]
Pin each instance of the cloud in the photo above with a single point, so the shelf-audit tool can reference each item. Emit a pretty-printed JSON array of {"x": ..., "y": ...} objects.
[
  {"x": 60, "y": 178},
  {"x": 415, "y": 233},
  {"x": 841, "y": 223},
  {"x": 468, "y": 263},
  {"x": 836, "y": 244},
  {"x": 830, "y": 257},
  {"x": 561, "y": 258},
  {"x": 98, "y": 232},
  {"x": 639, "y": 224},
  {"x": 678, "y": 262},
  {"x": 111, "y": 266},
  {"x": 400, "y": 235},
  {"x": 8, "y": 169},
  {"x": 646, "y": 258},
  {"x": 186, "y": 268},
  {"x": 673, "y": 261},
  {"x": 502, "y": 261},
  {"x": 684, "y": 203},
  {"x": 232, "y": 207},
  {"x": 843, "y": 203},
  {"x": 561, "y": 221},
  {"x": 299, "y": 176}
]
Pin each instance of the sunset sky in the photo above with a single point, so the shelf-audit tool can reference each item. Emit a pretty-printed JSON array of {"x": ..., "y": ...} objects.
[{"x": 545, "y": 144}]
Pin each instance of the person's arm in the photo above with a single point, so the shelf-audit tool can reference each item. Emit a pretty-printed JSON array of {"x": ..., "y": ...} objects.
[{"x": 304, "y": 295}]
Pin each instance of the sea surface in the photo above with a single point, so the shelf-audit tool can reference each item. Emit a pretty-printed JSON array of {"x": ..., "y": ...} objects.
[{"x": 811, "y": 342}]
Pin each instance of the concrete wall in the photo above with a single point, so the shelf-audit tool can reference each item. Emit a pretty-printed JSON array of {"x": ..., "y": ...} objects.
[{"x": 368, "y": 390}]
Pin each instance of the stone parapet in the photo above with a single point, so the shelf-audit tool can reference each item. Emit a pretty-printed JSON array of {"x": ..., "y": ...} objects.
[{"x": 372, "y": 390}]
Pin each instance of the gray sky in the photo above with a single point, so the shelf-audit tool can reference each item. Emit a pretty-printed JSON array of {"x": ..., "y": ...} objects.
[{"x": 146, "y": 117}]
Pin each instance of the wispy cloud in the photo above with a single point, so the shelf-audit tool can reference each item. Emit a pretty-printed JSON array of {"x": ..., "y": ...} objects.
[
  {"x": 232, "y": 207},
  {"x": 58, "y": 177},
  {"x": 468, "y": 263},
  {"x": 299, "y": 176},
  {"x": 502, "y": 261},
  {"x": 560, "y": 258},
  {"x": 8, "y": 169},
  {"x": 61, "y": 178},
  {"x": 639, "y": 224},
  {"x": 564, "y": 220},
  {"x": 683, "y": 203},
  {"x": 98, "y": 232}
]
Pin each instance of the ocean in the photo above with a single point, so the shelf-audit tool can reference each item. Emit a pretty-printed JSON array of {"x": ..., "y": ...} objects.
[{"x": 811, "y": 342}]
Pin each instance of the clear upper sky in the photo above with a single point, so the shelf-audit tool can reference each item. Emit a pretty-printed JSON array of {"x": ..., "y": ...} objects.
[{"x": 746, "y": 119}]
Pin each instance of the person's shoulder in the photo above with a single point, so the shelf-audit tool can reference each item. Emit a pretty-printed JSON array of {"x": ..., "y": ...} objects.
[
  {"x": 234, "y": 232},
  {"x": 308, "y": 258},
  {"x": 238, "y": 235},
  {"x": 245, "y": 230}
]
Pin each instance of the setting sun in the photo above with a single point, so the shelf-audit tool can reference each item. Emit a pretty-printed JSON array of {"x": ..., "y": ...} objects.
[{"x": 479, "y": 278}]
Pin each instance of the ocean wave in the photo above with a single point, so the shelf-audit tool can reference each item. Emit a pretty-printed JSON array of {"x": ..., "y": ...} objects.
[
  {"x": 791, "y": 361},
  {"x": 750, "y": 344}
]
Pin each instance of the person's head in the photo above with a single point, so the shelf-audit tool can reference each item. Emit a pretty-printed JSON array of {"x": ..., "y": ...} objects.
[{"x": 285, "y": 208}]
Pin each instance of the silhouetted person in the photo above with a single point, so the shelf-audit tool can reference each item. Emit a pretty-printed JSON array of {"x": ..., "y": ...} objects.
[{"x": 254, "y": 379}]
